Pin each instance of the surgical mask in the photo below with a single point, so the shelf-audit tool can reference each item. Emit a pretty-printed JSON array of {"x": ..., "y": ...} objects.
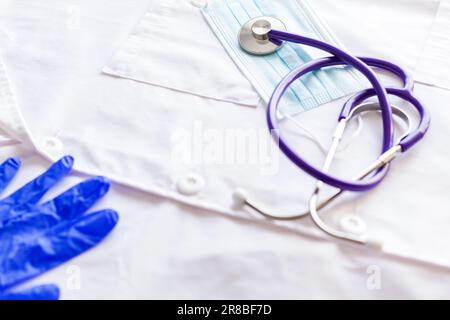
[{"x": 226, "y": 18}]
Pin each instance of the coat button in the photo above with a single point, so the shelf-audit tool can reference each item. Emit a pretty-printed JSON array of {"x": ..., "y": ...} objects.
[
  {"x": 199, "y": 3},
  {"x": 353, "y": 224},
  {"x": 191, "y": 184}
]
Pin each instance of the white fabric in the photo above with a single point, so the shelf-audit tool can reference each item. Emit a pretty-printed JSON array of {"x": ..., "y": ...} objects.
[
  {"x": 192, "y": 50},
  {"x": 131, "y": 131},
  {"x": 434, "y": 66}
]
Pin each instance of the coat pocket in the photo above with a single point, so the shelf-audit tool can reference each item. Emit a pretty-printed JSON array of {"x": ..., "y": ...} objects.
[{"x": 173, "y": 47}]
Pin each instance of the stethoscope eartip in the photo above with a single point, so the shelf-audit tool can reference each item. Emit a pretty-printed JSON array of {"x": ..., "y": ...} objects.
[
  {"x": 240, "y": 197},
  {"x": 375, "y": 244}
]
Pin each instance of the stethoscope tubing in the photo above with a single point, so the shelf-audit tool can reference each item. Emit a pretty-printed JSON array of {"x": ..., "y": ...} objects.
[
  {"x": 424, "y": 116},
  {"x": 364, "y": 65},
  {"x": 351, "y": 60}
]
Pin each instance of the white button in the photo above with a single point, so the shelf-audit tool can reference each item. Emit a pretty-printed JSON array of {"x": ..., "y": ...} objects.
[
  {"x": 53, "y": 145},
  {"x": 353, "y": 224},
  {"x": 191, "y": 184},
  {"x": 199, "y": 3}
]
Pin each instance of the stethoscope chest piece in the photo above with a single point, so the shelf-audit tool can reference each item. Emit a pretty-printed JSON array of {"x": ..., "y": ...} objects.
[{"x": 254, "y": 35}]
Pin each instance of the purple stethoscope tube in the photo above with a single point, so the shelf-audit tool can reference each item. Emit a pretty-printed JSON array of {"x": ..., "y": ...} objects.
[{"x": 364, "y": 65}]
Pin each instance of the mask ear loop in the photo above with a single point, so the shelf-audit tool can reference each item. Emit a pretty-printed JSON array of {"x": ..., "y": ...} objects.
[{"x": 308, "y": 134}]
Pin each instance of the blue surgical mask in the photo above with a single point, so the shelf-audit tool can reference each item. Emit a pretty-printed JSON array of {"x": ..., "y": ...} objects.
[{"x": 265, "y": 72}]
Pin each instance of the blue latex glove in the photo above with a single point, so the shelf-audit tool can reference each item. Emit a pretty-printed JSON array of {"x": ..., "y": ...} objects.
[{"x": 35, "y": 238}]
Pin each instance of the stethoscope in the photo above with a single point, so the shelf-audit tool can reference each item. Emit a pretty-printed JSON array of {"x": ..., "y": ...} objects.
[{"x": 265, "y": 35}]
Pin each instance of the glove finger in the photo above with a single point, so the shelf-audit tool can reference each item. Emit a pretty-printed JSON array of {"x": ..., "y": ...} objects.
[
  {"x": 77, "y": 200},
  {"x": 29, "y": 259},
  {"x": 20, "y": 226},
  {"x": 44, "y": 292},
  {"x": 8, "y": 170},
  {"x": 33, "y": 191}
]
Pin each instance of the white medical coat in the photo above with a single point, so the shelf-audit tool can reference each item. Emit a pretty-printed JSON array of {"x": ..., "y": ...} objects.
[{"x": 122, "y": 84}]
